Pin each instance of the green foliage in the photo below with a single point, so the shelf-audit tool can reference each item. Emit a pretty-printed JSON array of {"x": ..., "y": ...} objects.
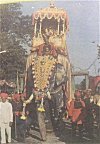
[{"x": 16, "y": 33}]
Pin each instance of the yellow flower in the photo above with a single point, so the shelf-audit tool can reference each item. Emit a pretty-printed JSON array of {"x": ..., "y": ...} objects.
[
  {"x": 41, "y": 109},
  {"x": 23, "y": 117}
]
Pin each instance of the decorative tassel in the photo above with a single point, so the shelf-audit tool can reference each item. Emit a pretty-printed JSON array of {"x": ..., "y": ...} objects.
[
  {"x": 23, "y": 117},
  {"x": 41, "y": 108}
]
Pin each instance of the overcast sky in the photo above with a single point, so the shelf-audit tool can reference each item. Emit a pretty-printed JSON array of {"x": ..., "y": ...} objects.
[{"x": 84, "y": 29}]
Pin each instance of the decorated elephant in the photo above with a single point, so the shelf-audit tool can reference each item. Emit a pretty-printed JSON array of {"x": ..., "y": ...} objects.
[{"x": 48, "y": 72}]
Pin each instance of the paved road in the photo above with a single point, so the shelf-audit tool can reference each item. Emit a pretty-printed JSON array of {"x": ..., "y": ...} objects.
[
  {"x": 35, "y": 138},
  {"x": 61, "y": 136}
]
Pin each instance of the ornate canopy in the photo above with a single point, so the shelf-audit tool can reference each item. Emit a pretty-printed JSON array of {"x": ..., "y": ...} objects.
[
  {"x": 50, "y": 26},
  {"x": 51, "y": 12}
]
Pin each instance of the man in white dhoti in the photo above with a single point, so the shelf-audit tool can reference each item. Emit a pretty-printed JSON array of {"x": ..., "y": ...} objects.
[{"x": 6, "y": 118}]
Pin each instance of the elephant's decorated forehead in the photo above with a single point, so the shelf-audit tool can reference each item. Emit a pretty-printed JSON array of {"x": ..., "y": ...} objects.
[{"x": 42, "y": 69}]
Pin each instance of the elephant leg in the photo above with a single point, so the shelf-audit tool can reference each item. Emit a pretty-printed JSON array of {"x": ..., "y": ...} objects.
[
  {"x": 48, "y": 114},
  {"x": 42, "y": 126}
]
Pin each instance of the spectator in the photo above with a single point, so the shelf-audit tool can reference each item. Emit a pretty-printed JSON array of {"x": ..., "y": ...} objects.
[
  {"x": 89, "y": 113},
  {"x": 76, "y": 113},
  {"x": 17, "y": 111},
  {"x": 6, "y": 116}
]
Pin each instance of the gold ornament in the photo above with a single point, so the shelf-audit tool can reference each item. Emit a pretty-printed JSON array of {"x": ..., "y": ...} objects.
[{"x": 43, "y": 65}]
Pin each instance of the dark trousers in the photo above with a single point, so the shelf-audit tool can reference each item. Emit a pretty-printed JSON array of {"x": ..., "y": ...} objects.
[
  {"x": 28, "y": 124},
  {"x": 20, "y": 129},
  {"x": 80, "y": 128},
  {"x": 89, "y": 128}
]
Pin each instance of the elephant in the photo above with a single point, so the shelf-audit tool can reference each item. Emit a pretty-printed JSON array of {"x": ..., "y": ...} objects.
[{"x": 47, "y": 80}]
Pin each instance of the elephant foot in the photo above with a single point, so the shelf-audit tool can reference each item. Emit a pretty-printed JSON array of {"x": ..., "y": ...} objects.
[
  {"x": 42, "y": 125},
  {"x": 49, "y": 127},
  {"x": 49, "y": 130},
  {"x": 43, "y": 135},
  {"x": 44, "y": 139}
]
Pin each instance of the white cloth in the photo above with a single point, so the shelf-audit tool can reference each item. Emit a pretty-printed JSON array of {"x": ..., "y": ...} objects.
[
  {"x": 6, "y": 116},
  {"x": 6, "y": 113},
  {"x": 7, "y": 128}
]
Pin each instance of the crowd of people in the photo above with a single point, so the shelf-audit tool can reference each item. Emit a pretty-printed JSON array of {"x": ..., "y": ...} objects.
[
  {"x": 13, "y": 122},
  {"x": 83, "y": 111}
]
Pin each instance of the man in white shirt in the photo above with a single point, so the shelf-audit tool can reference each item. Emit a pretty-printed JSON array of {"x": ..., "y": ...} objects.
[{"x": 6, "y": 118}]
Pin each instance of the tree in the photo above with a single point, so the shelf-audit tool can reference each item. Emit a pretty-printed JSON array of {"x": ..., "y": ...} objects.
[{"x": 16, "y": 32}]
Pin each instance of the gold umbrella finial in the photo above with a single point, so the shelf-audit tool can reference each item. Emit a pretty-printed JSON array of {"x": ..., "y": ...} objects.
[{"x": 52, "y": 4}]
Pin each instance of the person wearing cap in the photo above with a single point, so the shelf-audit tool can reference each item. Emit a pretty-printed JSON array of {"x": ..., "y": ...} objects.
[
  {"x": 76, "y": 113},
  {"x": 6, "y": 116},
  {"x": 17, "y": 105},
  {"x": 23, "y": 97},
  {"x": 89, "y": 109}
]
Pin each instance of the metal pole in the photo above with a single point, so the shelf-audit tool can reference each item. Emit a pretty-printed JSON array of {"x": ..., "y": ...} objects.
[
  {"x": 87, "y": 81},
  {"x": 17, "y": 82},
  {"x": 15, "y": 127},
  {"x": 22, "y": 84}
]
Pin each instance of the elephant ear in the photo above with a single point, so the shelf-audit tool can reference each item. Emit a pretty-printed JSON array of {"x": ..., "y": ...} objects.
[
  {"x": 29, "y": 81},
  {"x": 60, "y": 75}
]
